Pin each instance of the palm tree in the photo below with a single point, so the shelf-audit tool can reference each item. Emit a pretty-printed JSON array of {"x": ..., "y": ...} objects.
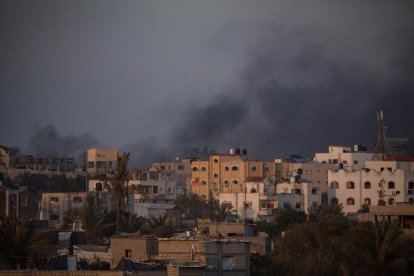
[
  {"x": 380, "y": 249},
  {"x": 16, "y": 237},
  {"x": 222, "y": 212},
  {"x": 118, "y": 187},
  {"x": 192, "y": 205},
  {"x": 162, "y": 226},
  {"x": 90, "y": 219}
]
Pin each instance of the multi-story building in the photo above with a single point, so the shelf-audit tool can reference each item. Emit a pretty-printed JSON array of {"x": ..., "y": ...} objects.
[
  {"x": 379, "y": 183},
  {"x": 101, "y": 160},
  {"x": 349, "y": 158},
  {"x": 255, "y": 202},
  {"x": 226, "y": 173},
  {"x": 4, "y": 159},
  {"x": 299, "y": 196},
  {"x": 17, "y": 201},
  {"x": 54, "y": 206}
]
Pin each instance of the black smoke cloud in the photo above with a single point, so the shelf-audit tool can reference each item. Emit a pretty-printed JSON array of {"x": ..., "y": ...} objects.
[
  {"x": 47, "y": 140},
  {"x": 296, "y": 95}
]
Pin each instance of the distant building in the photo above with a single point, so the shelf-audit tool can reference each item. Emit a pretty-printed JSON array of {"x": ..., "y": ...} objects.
[
  {"x": 379, "y": 183},
  {"x": 299, "y": 196},
  {"x": 401, "y": 146},
  {"x": 4, "y": 160},
  {"x": 348, "y": 158},
  {"x": 16, "y": 202},
  {"x": 101, "y": 160}
]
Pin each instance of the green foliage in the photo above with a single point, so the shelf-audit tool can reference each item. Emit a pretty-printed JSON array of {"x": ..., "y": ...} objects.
[
  {"x": 162, "y": 227},
  {"x": 193, "y": 206},
  {"x": 222, "y": 212}
]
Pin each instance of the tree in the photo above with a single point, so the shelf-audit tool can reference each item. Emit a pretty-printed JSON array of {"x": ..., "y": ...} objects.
[
  {"x": 379, "y": 249},
  {"x": 192, "y": 205},
  {"x": 222, "y": 212},
  {"x": 162, "y": 227},
  {"x": 118, "y": 187},
  {"x": 16, "y": 237}
]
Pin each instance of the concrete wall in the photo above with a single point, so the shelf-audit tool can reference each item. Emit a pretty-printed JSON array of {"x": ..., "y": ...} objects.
[{"x": 140, "y": 248}]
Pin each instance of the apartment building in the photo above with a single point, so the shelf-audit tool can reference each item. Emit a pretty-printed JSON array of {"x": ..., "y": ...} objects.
[
  {"x": 226, "y": 173},
  {"x": 54, "y": 206},
  {"x": 101, "y": 160},
  {"x": 16, "y": 202},
  {"x": 179, "y": 171},
  {"x": 299, "y": 196},
  {"x": 4, "y": 159},
  {"x": 379, "y": 183},
  {"x": 348, "y": 158}
]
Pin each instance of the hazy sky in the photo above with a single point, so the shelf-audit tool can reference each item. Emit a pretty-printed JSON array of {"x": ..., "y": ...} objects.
[{"x": 159, "y": 78}]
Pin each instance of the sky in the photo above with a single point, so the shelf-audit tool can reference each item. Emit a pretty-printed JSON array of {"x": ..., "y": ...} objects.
[{"x": 162, "y": 78}]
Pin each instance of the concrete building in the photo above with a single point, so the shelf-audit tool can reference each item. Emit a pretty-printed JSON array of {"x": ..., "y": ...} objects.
[
  {"x": 256, "y": 201},
  {"x": 4, "y": 160},
  {"x": 16, "y": 202},
  {"x": 54, "y": 206},
  {"x": 380, "y": 182},
  {"x": 226, "y": 173},
  {"x": 349, "y": 158},
  {"x": 101, "y": 160},
  {"x": 401, "y": 214},
  {"x": 299, "y": 196}
]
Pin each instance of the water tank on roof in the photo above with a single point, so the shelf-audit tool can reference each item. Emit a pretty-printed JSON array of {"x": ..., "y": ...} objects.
[
  {"x": 231, "y": 151},
  {"x": 244, "y": 151},
  {"x": 237, "y": 151}
]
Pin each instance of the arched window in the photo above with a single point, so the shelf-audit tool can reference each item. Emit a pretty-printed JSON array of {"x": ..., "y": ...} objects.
[
  {"x": 391, "y": 185},
  {"x": 253, "y": 168},
  {"x": 235, "y": 182},
  {"x": 203, "y": 169},
  {"x": 215, "y": 160},
  {"x": 367, "y": 201},
  {"x": 411, "y": 200},
  {"x": 350, "y": 201},
  {"x": 334, "y": 185},
  {"x": 203, "y": 182},
  {"x": 253, "y": 190},
  {"x": 195, "y": 169},
  {"x": 234, "y": 168},
  {"x": 391, "y": 201},
  {"x": 226, "y": 183},
  {"x": 216, "y": 175},
  {"x": 367, "y": 185},
  {"x": 350, "y": 185},
  {"x": 267, "y": 168},
  {"x": 334, "y": 201},
  {"x": 410, "y": 188},
  {"x": 226, "y": 168}
]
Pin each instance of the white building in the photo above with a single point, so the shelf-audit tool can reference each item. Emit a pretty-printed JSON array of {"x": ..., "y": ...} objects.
[
  {"x": 256, "y": 203},
  {"x": 350, "y": 158},
  {"x": 388, "y": 181},
  {"x": 299, "y": 196}
]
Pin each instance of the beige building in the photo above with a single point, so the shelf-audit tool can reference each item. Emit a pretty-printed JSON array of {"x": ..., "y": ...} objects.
[
  {"x": 178, "y": 171},
  {"x": 226, "y": 173},
  {"x": 54, "y": 206},
  {"x": 133, "y": 247},
  {"x": 349, "y": 158},
  {"x": 4, "y": 159},
  {"x": 387, "y": 182},
  {"x": 101, "y": 160},
  {"x": 299, "y": 196}
]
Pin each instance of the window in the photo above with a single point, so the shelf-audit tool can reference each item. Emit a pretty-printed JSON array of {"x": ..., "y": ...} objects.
[
  {"x": 391, "y": 201},
  {"x": 350, "y": 201},
  {"x": 155, "y": 189},
  {"x": 355, "y": 162},
  {"x": 248, "y": 204},
  {"x": 286, "y": 205},
  {"x": 23, "y": 201},
  {"x": 253, "y": 190},
  {"x": 54, "y": 199},
  {"x": 253, "y": 168},
  {"x": 267, "y": 168},
  {"x": 263, "y": 205},
  {"x": 215, "y": 175},
  {"x": 91, "y": 165},
  {"x": 335, "y": 161},
  {"x": 344, "y": 161},
  {"x": 314, "y": 191},
  {"x": 367, "y": 201},
  {"x": 298, "y": 191},
  {"x": 298, "y": 205},
  {"x": 350, "y": 185},
  {"x": 391, "y": 185},
  {"x": 203, "y": 182},
  {"x": 215, "y": 160},
  {"x": 226, "y": 183},
  {"x": 77, "y": 199},
  {"x": 235, "y": 182},
  {"x": 334, "y": 201},
  {"x": 226, "y": 168},
  {"x": 334, "y": 185},
  {"x": 128, "y": 253},
  {"x": 367, "y": 185},
  {"x": 203, "y": 169},
  {"x": 410, "y": 188},
  {"x": 54, "y": 217},
  {"x": 234, "y": 168},
  {"x": 180, "y": 168},
  {"x": 195, "y": 169},
  {"x": 277, "y": 169},
  {"x": 170, "y": 190},
  {"x": 314, "y": 204},
  {"x": 411, "y": 200},
  {"x": 309, "y": 172}
]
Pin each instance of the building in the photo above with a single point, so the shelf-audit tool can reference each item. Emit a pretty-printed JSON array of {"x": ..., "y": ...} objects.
[
  {"x": 226, "y": 173},
  {"x": 299, "y": 196},
  {"x": 101, "y": 160},
  {"x": 4, "y": 160},
  {"x": 54, "y": 206},
  {"x": 16, "y": 202},
  {"x": 401, "y": 214},
  {"x": 349, "y": 158},
  {"x": 379, "y": 183},
  {"x": 256, "y": 201}
]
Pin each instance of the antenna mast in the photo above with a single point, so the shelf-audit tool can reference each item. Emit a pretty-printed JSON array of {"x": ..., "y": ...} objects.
[{"x": 382, "y": 149}]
